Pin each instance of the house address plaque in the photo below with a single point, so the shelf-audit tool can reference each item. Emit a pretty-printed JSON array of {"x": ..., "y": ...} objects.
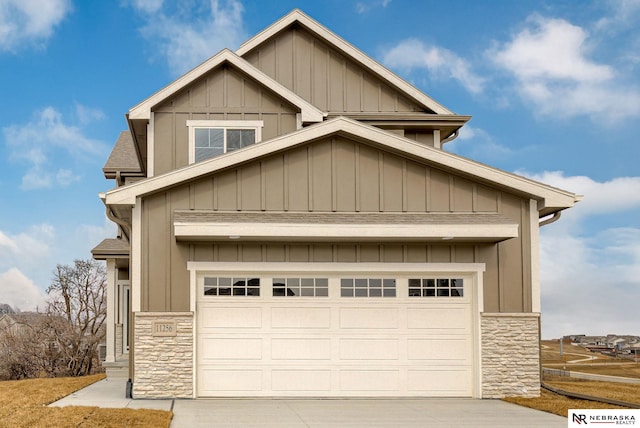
[{"x": 164, "y": 328}]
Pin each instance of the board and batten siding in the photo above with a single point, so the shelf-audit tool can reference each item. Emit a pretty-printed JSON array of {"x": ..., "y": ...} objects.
[
  {"x": 341, "y": 175},
  {"x": 222, "y": 94},
  {"x": 323, "y": 76}
]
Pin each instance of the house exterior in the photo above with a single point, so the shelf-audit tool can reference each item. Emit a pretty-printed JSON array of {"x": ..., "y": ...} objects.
[{"x": 290, "y": 224}]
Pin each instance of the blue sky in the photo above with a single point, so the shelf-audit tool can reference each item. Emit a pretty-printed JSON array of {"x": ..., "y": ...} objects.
[{"x": 553, "y": 88}]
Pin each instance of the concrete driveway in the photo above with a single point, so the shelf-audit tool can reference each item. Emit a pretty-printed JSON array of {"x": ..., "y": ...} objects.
[{"x": 424, "y": 412}]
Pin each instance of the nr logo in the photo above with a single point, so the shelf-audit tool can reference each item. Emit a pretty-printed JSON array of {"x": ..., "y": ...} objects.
[{"x": 579, "y": 419}]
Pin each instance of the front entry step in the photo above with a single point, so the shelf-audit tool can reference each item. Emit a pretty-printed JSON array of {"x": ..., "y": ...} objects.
[{"x": 117, "y": 369}]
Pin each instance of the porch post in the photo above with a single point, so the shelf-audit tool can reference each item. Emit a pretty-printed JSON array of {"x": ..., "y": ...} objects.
[{"x": 112, "y": 275}]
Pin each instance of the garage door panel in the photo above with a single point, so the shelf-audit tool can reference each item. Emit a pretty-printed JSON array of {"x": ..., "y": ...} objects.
[
  {"x": 368, "y": 381},
  {"x": 301, "y": 380},
  {"x": 451, "y": 350},
  {"x": 230, "y": 317},
  {"x": 301, "y": 349},
  {"x": 369, "y": 349},
  {"x": 301, "y": 317},
  {"x": 212, "y": 382},
  {"x": 369, "y": 318},
  {"x": 446, "y": 319},
  {"x": 440, "y": 381},
  {"x": 231, "y": 348}
]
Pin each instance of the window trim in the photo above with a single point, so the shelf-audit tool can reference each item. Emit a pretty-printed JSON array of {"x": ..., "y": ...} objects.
[{"x": 255, "y": 125}]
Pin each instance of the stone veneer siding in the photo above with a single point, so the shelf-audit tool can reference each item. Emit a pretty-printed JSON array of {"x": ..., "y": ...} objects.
[
  {"x": 510, "y": 355},
  {"x": 163, "y": 365},
  {"x": 118, "y": 340}
]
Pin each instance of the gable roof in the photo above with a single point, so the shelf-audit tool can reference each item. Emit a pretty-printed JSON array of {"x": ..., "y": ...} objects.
[
  {"x": 309, "y": 112},
  {"x": 297, "y": 16},
  {"x": 549, "y": 198}
]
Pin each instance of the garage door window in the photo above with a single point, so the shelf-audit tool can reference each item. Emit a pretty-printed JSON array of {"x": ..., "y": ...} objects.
[
  {"x": 227, "y": 286},
  {"x": 301, "y": 287},
  {"x": 436, "y": 287},
  {"x": 367, "y": 287}
]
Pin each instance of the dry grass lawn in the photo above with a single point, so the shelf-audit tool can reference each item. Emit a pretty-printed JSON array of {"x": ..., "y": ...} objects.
[
  {"x": 24, "y": 403},
  {"x": 604, "y": 365},
  {"x": 617, "y": 391},
  {"x": 558, "y": 404}
]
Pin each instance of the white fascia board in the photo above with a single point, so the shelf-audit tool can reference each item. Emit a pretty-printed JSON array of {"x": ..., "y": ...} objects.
[
  {"x": 332, "y": 39},
  {"x": 337, "y": 232},
  {"x": 360, "y": 132},
  {"x": 309, "y": 112}
]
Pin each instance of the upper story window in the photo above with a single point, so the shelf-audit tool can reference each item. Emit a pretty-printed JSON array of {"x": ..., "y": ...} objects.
[{"x": 210, "y": 138}]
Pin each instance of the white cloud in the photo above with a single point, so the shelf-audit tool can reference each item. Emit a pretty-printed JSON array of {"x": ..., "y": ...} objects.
[
  {"x": 364, "y": 7},
  {"x": 27, "y": 246},
  {"x": 147, "y": 6},
  {"x": 590, "y": 283},
  {"x": 29, "y": 22},
  {"x": 441, "y": 63},
  {"x": 46, "y": 135},
  {"x": 191, "y": 32},
  {"x": 550, "y": 61},
  {"x": 90, "y": 235},
  {"x": 616, "y": 195},
  {"x": 20, "y": 292},
  {"x": 624, "y": 14},
  {"x": 478, "y": 144}
]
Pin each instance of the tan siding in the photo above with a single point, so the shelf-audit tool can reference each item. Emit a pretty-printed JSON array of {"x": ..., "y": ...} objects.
[
  {"x": 321, "y": 168},
  {"x": 250, "y": 188},
  {"x": 223, "y": 94},
  {"x": 164, "y": 147},
  {"x": 416, "y": 188},
  {"x": 439, "y": 191},
  {"x": 511, "y": 260},
  {"x": 462, "y": 195},
  {"x": 346, "y": 176},
  {"x": 323, "y": 76},
  {"x": 177, "y": 297},
  {"x": 393, "y": 183},
  {"x": 226, "y": 184},
  {"x": 274, "y": 185},
  {"x": 369, "y": 179},
  {"x": 157, "y": 249}
]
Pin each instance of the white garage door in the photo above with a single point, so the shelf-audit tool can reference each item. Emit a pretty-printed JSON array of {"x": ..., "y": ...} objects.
[{"x": 334, "y": 336}]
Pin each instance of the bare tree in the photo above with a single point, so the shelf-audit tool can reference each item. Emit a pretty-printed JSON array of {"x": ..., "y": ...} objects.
[
  {"x": 31, "y": 345},
  {"x": 78, "y": 295}
]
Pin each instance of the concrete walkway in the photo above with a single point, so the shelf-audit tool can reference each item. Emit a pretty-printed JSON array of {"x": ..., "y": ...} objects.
[{"x": 424, "y": 412}]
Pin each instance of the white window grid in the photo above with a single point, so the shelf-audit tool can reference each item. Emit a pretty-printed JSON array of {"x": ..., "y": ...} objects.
[{"x": 225, "y": 126}]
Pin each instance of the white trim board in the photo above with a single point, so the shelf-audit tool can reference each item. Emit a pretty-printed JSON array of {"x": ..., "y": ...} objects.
[{"x": 340, "y": 232}]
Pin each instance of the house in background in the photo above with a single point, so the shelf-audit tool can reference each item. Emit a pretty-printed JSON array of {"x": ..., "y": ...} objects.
[{"x": 290, "y": 224}]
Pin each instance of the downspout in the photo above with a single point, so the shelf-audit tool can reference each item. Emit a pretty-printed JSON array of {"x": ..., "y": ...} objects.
[
  {"x": 119, "y": 222},
  {"x": 450, "y": 137},
  {"x": 123, "y": 225},
  {"x": 554, "y": 218}
]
